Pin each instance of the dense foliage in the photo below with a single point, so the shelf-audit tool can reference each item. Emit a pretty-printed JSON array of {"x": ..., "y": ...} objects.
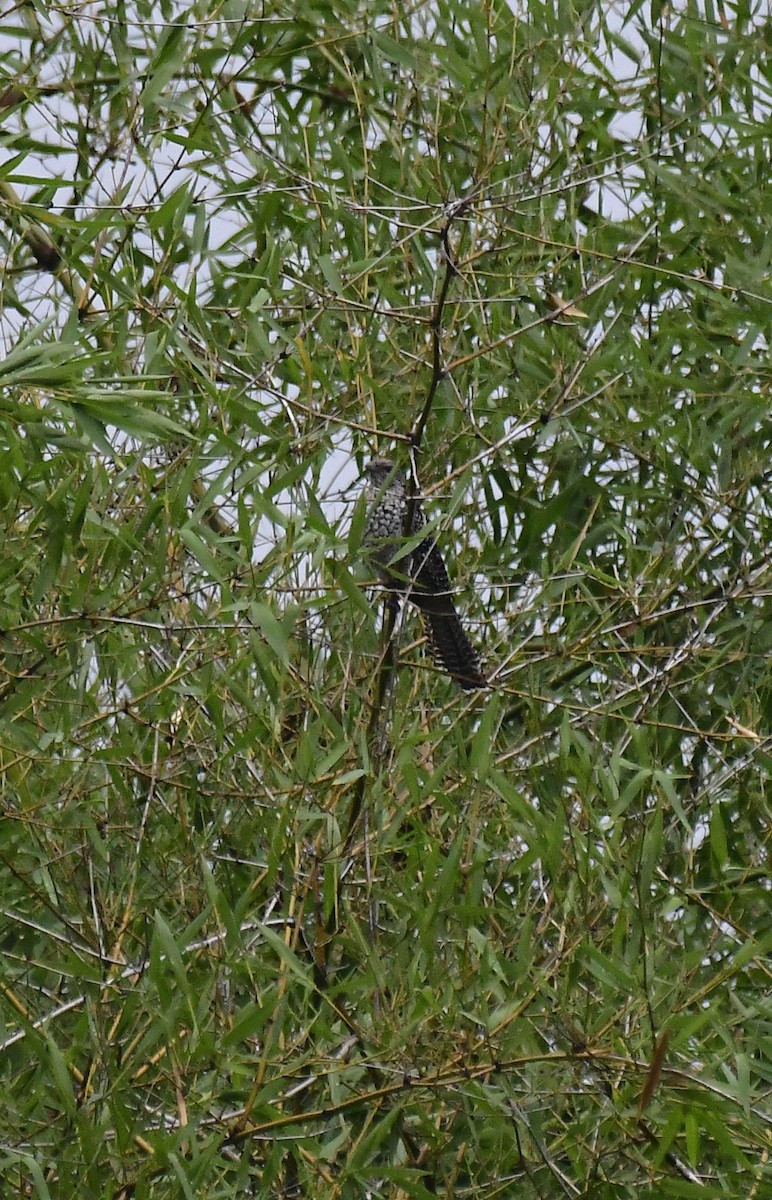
[{"x": 283, "y": 911}]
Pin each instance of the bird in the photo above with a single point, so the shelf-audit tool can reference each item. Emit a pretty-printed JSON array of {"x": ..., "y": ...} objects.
[{"x": 419, "y": 574}]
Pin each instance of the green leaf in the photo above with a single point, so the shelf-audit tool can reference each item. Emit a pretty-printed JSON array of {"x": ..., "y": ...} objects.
[
  {"x": 168, "y": 947},
  {"x": 272, "y": 630}
]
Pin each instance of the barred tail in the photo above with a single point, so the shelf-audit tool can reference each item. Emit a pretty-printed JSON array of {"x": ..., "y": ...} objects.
[{"x": 452, "y": 649}]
